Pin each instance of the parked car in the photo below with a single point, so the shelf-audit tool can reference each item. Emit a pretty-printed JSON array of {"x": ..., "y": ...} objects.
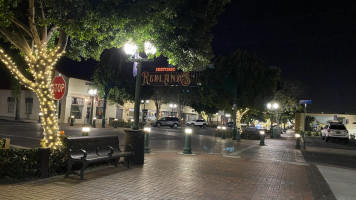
[
  {"x": 198, "y": 122},
  {"x": 333, "y": 131},
  {"x": 172, "y": 122},
  {"x": 230, "y": 124}
]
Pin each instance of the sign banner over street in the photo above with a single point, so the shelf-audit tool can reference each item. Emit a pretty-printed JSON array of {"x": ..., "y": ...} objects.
[
  {"x": 305, "y": 101},
  {"x": 58, "y": 87}
]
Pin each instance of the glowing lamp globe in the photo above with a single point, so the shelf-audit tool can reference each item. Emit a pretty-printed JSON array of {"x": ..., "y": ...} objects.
[{"x": 130, "y": 48}]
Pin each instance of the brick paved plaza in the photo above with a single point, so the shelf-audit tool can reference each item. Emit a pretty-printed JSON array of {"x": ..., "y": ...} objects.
[{"x": 244, "y": 171}]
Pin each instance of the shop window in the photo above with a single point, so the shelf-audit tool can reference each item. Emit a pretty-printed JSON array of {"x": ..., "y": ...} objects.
[
  {"x": 10, "y": 104},
  {"x": 29, "y": 105},
  {"x": 76, "y": 109}
]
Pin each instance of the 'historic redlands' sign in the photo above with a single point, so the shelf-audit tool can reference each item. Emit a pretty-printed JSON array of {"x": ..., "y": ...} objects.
[
  {"x": 58, "y": 87},
  {"x": 172, "y": 78}
]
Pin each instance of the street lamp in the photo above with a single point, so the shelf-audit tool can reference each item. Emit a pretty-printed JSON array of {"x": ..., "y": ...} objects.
[
  {"x": 92, "y": 93},
  {"x": 131, "y": 50},
  {"x": 173, "y": 106},
  {"x": 274, "y": 106}
]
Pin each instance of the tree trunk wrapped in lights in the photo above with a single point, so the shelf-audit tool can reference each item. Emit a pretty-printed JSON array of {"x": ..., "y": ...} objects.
[
  {"x": 239, "y": 114},
  {"x": 40, "y": 64}
]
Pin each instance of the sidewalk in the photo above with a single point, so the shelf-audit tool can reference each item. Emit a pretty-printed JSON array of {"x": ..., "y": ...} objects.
[{"x": 245, "y": 170}]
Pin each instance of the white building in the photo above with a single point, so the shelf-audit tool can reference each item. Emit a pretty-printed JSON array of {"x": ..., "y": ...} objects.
[{"x": 77, "y": 101}]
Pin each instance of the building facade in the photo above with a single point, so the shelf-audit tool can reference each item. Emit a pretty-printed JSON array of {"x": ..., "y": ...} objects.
[{"x": 77, "y": 102}]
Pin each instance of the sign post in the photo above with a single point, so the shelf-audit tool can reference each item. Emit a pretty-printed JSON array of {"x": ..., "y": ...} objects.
[{"x": 58, "y": 87}]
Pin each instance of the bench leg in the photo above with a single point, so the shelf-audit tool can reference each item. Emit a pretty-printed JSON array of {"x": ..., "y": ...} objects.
[
  {"x": 69, "y": 168},
  {"x": 116, "y": 162},
  {"x": 127, "y": 161},
  {"x": 82, "y": 171}
]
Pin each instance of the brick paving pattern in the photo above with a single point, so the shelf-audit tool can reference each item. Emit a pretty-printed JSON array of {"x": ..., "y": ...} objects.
[{"x": 239, "y": 171}]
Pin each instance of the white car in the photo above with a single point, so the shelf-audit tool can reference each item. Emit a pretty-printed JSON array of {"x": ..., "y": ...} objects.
[
  {"x": 198, "y": 122},
  {"x": 335, "y": 130}
]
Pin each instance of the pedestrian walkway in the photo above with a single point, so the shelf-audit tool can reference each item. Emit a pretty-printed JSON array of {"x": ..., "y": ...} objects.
[{"x": 243, "y": 170}]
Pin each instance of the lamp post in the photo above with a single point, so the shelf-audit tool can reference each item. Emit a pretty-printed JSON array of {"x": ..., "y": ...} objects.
[
  {"x": 131, "y": 51},
  {"x": 274, "y": 107},
  {"x": 187, "y": 146},
  {"x": 92, "y": 93},
  {"x": 173, "y": 106}
]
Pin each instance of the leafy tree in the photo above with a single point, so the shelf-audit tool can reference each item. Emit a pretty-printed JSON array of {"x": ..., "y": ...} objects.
[
  {"x": 288, "y": 98},
  {"x": 43, "y": 29},
  {"x": 240, "y": 79}
]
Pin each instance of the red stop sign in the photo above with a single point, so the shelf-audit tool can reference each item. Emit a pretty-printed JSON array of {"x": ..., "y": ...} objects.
[{"x": 58, "y": 87}]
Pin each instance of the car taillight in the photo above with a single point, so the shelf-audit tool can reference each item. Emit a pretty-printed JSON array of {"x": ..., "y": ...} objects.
[{"x": 328, "y": 130}]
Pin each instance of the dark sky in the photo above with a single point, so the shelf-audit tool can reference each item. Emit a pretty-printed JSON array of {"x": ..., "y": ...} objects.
[{"x": 311, "y": 41}]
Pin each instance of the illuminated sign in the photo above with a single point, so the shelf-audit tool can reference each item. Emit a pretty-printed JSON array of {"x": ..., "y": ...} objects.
[
  {"x": 165, "y": 69},
  {"x": 173, "y": 78}
]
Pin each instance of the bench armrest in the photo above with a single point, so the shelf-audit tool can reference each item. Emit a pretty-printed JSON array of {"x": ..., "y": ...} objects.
[
  {"x": 81, "y": 151},
  {"x": 84, "y": 153},
  {"x": 111, "y": 150}
]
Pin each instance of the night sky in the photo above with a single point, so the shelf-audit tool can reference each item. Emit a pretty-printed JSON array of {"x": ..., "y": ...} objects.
[{"x": 311, "y": 41}]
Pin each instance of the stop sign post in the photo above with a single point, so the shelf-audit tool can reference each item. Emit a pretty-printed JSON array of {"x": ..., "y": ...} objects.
[{"x": 58, "y": 87}]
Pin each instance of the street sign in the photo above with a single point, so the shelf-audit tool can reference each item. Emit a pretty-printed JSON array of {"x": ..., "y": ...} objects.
[
  {"x": 305, "y": 101},
  {"x": 58, "y": 87}
]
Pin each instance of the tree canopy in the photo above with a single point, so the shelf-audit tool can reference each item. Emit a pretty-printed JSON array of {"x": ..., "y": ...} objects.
[
  {"x": 179, "y": 28},
  {"x": 240, "y": 78}
]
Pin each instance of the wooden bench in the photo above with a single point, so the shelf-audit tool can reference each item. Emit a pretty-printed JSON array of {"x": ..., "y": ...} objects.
[{"x": 93, "y": 149}]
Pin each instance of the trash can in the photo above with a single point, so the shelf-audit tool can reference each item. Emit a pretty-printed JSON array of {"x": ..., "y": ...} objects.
[
  {"x": 136, "y": 138},
  {"x": 275, "y": 132}
]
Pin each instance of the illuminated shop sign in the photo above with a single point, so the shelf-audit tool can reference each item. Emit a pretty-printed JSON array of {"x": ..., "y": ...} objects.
[{"x": 172, "y": 78}]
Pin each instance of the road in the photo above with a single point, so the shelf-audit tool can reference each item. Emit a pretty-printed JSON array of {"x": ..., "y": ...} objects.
[{"x": 30, "y": 134}]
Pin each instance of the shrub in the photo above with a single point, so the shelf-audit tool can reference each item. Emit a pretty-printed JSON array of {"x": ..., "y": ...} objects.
[
  {"x": 19, "y": 163},
  {"x": 24, "y": 163},
  {"x": 316, "y": 133},
  {"x": 308, "y": 133}
]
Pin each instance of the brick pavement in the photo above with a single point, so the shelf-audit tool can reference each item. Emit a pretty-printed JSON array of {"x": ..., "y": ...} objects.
[{"x": 250, "y": 171}]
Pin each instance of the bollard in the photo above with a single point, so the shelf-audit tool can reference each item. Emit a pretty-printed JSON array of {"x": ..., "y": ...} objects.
[
  {"x": 94, "y": 122},
  {"x": 223, "y": 134},
  {"x": 115, "y": 123},
  {"x": 40, "y": 117},
  {"x": 147, "y": 131},
  {"x": 85, "y": 131},
  {"x": 71, "y": 120},
  {"x": 218, "y": 131},
  {"x": 262, "y": 138},
  {"x": 187, "y": 146},
  {"x": 297, "y": 141}
]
